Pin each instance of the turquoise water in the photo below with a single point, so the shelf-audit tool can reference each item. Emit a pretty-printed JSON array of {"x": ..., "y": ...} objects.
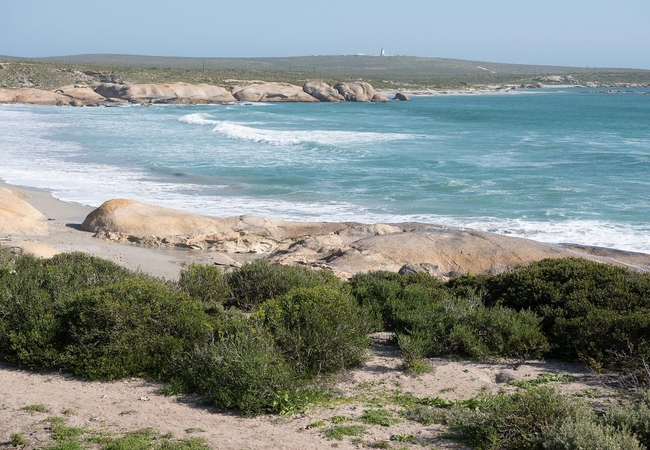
[{"x": 552, "y": 165}]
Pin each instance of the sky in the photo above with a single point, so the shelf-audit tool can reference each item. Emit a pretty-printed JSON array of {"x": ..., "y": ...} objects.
[{"x": 564, "y": 33}]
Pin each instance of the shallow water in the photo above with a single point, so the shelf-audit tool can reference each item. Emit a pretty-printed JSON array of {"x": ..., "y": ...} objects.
[{"x": 566, "y": 165}]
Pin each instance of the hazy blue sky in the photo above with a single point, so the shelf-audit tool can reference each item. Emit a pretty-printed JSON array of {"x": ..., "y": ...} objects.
[{"x": 577, "y": 33}]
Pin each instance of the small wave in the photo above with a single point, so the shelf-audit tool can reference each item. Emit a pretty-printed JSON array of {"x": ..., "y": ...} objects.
[
  {"x": 293, "y": 137},
  {"x": 198, "y": 119},
  {"x": 159, "y": 168}
]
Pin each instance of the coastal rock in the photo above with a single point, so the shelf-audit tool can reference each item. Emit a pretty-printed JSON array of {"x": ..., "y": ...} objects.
[
  {"x": 34, "y": 97},
  {"x": 322, "y": 91},
  {"x": 380, "y": 98},
  {"x": 82, "y": 94},
  {"x": 36, "y": 249},
  {"x": 124, "y": 220},
  {"x": 401, "y": 97},
  {"x": 165, "y": 93},
  {"x": 271, "y": 92},
  {"x": 357, "y": 91},
  {"x": 19, "y": 217},
  {"x": 343, "y": 248}
]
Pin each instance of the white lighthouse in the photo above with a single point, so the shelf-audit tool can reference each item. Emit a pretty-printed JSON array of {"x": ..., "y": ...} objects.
[{"x": 383, "y": 52}]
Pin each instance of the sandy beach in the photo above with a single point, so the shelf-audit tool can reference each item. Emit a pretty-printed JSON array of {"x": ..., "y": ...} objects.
[{"x": 66, "y": 235}]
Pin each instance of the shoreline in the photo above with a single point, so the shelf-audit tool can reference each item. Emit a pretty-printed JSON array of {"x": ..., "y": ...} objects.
[{"x": 66, "y": 235}]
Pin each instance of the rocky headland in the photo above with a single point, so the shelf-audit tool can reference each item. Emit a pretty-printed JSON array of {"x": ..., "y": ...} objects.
[{"x": 182, "y": 93}]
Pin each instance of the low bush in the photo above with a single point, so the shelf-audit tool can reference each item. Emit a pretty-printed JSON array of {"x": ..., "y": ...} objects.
[
  {"x": 130, "y": 329},
  {"x": 378, "y": 292},
  {"x": 634, "y": 418},
  {"x": 513, "y": 421},
  {"x": 592, "y": 311},
  {"x": 318, "y": 329},
  {"x": 584, "y": 431},
  {"x": 207, "y": 284},
  {"x": 31, "y": 291},
  {"x": 259, "y": 281},
  {"x": 466, "y": 327},
  {"x": 242, "y": 369}
]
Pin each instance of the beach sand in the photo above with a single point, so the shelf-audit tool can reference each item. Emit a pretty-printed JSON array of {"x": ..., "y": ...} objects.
[{"x": 66, "y": 235}]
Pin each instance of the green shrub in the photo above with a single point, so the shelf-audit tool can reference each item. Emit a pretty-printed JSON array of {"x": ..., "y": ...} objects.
[
  {"x": 378, "y": 292},
  {"x": 589, "y": 310},
  {"x": 464, "y": 326},
  {"x": 130, "y": 329},
  {"x": 243, "y": 369},
  {"x": 319, "y": 329},
  {"x": 259, "y": 281},
  {"x": 31, "y": 291},
  {"x": 634, "y": 417},
  {"x": 17, "y": 440},
  {"x": 207, "y": 284},
  {"x": 513, "y": 421},
  {"x": 585, "y": 432}
]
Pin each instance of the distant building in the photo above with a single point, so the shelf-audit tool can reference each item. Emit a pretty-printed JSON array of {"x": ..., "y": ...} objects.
[{"x": 383, "y": 52}]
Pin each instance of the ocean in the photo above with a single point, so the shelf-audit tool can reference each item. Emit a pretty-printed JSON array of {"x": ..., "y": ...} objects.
[{"x": 553, "y": 165}]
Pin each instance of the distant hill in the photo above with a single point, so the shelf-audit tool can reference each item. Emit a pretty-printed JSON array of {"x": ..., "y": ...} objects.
[
  {"x": 345, "y": 64},
  {"x": 391, "y": 73}
]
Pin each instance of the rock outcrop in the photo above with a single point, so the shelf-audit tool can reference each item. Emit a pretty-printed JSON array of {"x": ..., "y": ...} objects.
[
  {"x": 181, "y": 93},
  {"x": 34, "y": 97},
  {"x": 322, "y": 91},
  {"x": 344, "y": 248},
  {"x": 401, "y": 97},
  {"x": 19, "y": 217},
  {"x": 165, "y": 93},
  {"x": 359, "y": 91},
  {"x": 37, "y": 249},
  {"x": 129, "y": 221},
  {"x": 81, "y": 95},
  {"x": 271, "y": 92}
]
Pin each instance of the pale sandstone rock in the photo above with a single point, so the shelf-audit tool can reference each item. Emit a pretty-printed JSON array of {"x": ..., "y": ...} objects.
[
  {"x": 19, "y": 217},
  {"x": 34, "y": 97},
  {"x": 271, "y": 92},
  {"x": 322, "y": 91},
  {"x": 83, "y": 94},
  {"x": 124, "y": 220},
  {"x": 380, "y": 98},
  {"x": 343, "y": 248},
  {"x": 36, "y": 249},
  {"x": 165, "y": 93},
  {"x": 358, "y": 91}
]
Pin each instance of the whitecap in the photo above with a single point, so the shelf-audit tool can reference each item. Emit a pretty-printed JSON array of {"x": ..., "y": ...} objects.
[
  {"x": 241, "y": 132},
  {"x": 198, "y": 119}
]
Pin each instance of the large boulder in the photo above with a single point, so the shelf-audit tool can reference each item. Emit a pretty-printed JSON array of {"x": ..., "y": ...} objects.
[
  {"x": 81, "y": 95},
  {"x": 401, "y": 97},
  {"x": 124, "y": 220},
  {"x": 37, "y": 249},
  {"x": 34, "y": 97},
  {"x": 271, "y": 92},
  {"x": 165, "y": 93},
  {"x": 19, "y": 217},
  {"x": 359, "y": 91},
  {"x": 322, "y": 91}
]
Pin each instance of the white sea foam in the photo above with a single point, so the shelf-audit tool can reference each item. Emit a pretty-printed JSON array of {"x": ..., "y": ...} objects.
[
  {"x": 236, "y": 131},
  {"x": 198, "y": 119}
]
